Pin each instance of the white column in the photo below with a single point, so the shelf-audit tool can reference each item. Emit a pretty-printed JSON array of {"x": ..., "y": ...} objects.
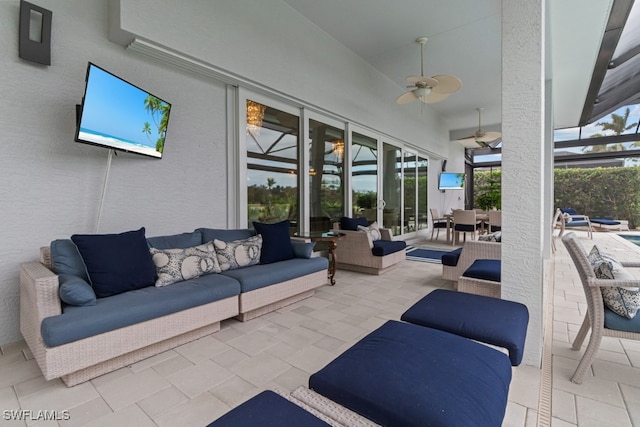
[{"x": 523, "y": 162}]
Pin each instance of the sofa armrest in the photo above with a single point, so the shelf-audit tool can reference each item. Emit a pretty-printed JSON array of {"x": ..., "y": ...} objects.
[
  {"x": 39, "y": 290},
  {"x": 386, "y": 234},
  {"x": 355, "y": 240}
]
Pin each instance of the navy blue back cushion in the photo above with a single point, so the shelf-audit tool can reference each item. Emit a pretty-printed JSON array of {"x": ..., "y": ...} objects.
[
  {"x": 485, "y": 269},
  {"x": 276, "y": 243},
  {"x": 347, "y": 223},
  {"x": 569, "y": 211},
  {"x": 116, "y": 263}
]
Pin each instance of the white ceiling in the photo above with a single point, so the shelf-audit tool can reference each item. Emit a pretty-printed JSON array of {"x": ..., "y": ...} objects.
[{"x": 465, "y": 41}]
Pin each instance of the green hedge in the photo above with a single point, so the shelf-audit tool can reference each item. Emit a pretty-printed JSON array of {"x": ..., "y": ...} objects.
[
  {"x": 600, "y": 192},
  {"x": 596, "y": 192}
]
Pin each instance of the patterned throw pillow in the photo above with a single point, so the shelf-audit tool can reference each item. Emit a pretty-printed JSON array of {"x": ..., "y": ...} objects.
[
  {"x": 622, "y": 301},
  {"x": 176, "y": 265},
  {"x": 239, "y": 253},
  {"x": 491, "y": 237},
  {"x": 373, "y": 229}
]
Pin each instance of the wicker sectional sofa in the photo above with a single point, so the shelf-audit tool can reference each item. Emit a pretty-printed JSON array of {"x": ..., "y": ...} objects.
[{"x": 78, "y": 343}]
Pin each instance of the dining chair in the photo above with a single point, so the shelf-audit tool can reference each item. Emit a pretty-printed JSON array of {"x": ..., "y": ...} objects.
[
  {"x": 495, "y": 221},
  {"x": 464, "y": 221},
  {"x": 437, "y": 222}
]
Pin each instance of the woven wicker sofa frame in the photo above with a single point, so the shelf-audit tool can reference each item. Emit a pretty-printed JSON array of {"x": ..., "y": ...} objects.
[
  {"x": 353, "y": 252},
  {"x": 82, "y": 360},
  {"x": 471, "y": 251}
]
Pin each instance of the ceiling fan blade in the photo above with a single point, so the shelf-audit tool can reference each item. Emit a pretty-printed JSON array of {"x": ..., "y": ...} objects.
[
  {"x": 447, "y": 83},
  {"x": 431, "y": 82},
  {"x": 434, "y": 97},
  {"x": 406, "y": 98},
  {"x": 488, "y": 136},
  {"x": 468, "y": 142}
]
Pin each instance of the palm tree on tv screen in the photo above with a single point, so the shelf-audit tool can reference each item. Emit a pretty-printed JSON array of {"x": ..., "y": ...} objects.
[{"x": 159, "y": 111}]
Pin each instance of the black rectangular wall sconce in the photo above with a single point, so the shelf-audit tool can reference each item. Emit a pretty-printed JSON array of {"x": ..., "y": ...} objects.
[{"x": 35, "y": 33}]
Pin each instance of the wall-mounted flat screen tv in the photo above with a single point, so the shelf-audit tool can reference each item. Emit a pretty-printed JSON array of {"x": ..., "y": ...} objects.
[
  {"x": 451, "y": 181},
  {"x": 118, "y": 115}
]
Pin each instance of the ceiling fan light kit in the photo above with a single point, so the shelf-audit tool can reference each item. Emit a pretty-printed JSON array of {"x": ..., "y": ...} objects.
[{"x": 428, "y": 90}]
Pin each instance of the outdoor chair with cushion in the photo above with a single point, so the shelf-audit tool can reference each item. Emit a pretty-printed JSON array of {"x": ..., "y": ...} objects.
[
  {"x": 458, "y": 261},
  {"x": 437, "y": 222},
  {"x": 569, "y": 218},
  {"x": 612, "y": 300},
  {"x": 464, "y": 221},
  {"x": 495, "y": 221},
  {"x": 367, "y": 248}
]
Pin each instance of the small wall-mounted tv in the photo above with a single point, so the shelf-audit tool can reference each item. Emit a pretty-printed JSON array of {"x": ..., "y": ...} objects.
[
  {"x": 118, "y": 115},
  {"x": 451, "y": 181}
]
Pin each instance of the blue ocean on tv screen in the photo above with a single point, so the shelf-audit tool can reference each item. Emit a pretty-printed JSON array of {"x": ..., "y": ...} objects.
[{"x": 119, "y": 115}]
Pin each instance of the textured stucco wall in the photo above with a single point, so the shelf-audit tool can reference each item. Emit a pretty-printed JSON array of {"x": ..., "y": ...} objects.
[
  {"x": 523, "y": 160},
  {"x": 50, "y": 185}
]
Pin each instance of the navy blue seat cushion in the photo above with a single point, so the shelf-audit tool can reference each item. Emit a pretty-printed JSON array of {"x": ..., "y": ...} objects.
[
  {"x": 268, "y": 409},
  {"x": 620, "y": 323},
  {"x": 176, "y": 241},
  {"x": 490, "y": 320},
  {"x": 119, "y": 311},
  {"x": 440, "y": 224},
  {"x": 276, "y": 242},
  {"x": 262, "y": 275},
  {"x": 209, "y": 234},
  {"x": 576, "y": 223},
  {"x": 451, "y": 258},
  {"x": 347, "y": 223},
  {"x": 386, "y": 247},
  {"x": 604, "y": 221},
  {"x": 409, "y": 375},
  {"x": 116, "y": 263},
  {"x": 485, "y": 269},
  {"x": 464, "y": 227}
]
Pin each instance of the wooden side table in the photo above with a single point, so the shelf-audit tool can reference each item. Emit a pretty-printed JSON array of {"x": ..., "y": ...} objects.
[{"x": 332, "y": 238}]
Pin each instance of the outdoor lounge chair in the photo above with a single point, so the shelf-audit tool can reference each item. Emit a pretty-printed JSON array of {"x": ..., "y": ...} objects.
[
  {"x": 609, "y": 224},
  {"x": 599, "y": 318},
  {"x": 569, "y": 218}
]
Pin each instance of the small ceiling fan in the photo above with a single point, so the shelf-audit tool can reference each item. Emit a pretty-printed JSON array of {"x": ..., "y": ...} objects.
[
  {"x": 429, "y": 90},
  {"x": 483, "y": 139}
]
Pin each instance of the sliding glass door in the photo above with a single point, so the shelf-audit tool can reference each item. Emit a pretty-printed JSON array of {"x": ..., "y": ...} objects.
[
  {"x": 364, "y": 176},
  {"x": 391, "y": 187}
]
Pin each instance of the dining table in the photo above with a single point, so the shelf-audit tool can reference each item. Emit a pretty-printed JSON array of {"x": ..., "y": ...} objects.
[{"x": 482, "y": 217}]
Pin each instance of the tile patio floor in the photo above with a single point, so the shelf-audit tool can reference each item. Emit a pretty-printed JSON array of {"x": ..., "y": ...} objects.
[{"x": 197, "y": 382}]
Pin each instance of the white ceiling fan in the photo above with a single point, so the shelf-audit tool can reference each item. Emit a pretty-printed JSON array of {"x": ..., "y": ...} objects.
[
  {"x": 483, "y": 139},
  {"x": 429, "y": 90}
]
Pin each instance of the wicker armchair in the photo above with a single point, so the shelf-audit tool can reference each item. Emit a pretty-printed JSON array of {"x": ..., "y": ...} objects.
[
  {"x": 354, "y": 252},
  {"x": 595, "y": 317},
  {"x": 471, "y": 251}
]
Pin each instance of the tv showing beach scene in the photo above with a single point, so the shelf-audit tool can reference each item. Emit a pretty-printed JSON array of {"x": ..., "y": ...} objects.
[{"x": 118, "y": 115}]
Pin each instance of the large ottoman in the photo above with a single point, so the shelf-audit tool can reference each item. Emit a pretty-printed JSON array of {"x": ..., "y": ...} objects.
[
  {"x": 486, "y": 319},
  {"x": 268, "y": 409},
  {"x": 408, "y": 375}
]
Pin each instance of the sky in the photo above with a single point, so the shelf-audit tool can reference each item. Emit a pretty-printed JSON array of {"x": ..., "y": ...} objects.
[{"x": 115, "y": 107}]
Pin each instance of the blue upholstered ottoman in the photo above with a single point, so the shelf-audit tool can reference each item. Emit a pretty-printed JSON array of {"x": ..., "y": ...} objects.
[
  {"x": 267, "y": 409},
  {"x": 409, "y": 375},
  {"x": 490, "y": 320}
]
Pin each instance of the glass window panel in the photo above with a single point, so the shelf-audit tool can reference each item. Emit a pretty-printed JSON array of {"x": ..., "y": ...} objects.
[
  {"x": 391, "y": 181},
  {"x": 326, "y": 180},
  {"x": 410, "y": 182},
  {"x": 364, "y": 176},
  {"x": 272, "y": 165},
  {"x": 423, "y": 181}
]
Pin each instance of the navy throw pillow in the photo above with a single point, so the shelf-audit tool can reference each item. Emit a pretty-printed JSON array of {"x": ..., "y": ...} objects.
[
  {"x": 116, "y": 263},
  {"x": 276, "y": 243},
  {"x": 347, "y": 223}
]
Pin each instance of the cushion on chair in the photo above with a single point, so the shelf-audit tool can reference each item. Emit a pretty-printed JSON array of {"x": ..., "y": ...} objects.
[
  {"x": 605, "y": 221},
  {"x": 622, "y": 301},
  {"x": 489, "y": 320},
  {"x": 484, "y": 269},
  {"x": 386, "y": 247},
  {"x": 409, "y": 375},
  {"x": 569, "y": 211},
  {"x": 451, "y": 258},
  {"x": 620, "y": 323},
  {"x": 267, "y": 409},
  {"x": 464, "y": 227},
  {"x": 347, "y": 223}
]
